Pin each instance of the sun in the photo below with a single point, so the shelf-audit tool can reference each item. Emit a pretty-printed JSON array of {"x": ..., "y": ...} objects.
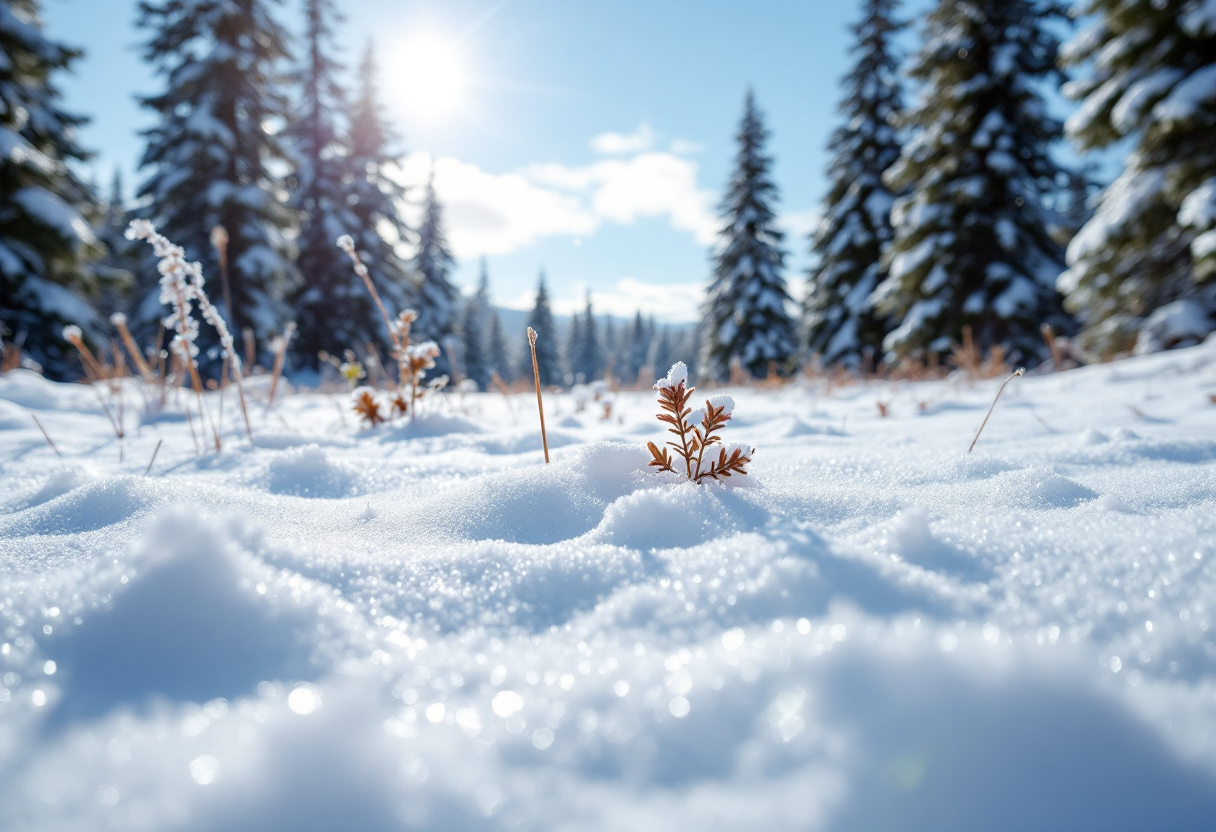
[{"x": 429, "y": 75}]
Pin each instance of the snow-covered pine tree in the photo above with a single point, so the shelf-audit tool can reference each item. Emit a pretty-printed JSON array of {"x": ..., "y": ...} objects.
[
  {"x": 973, "y": 244},
  {"x": 211, "y": 157},
  {"x": 375, "y": 198},
  {"x": 438, "y": 298},
  {"x": 474, "y": 329},
  {"x": 333, "y": 308},
  {"x": 500, "y": 352},
  {"x": 745, "y": 311},
  {"x": 1149, "y": 78},
  {"x": 611, "y": 347},
  {"x": 587, "y": 359},
  {"x": 548, "y": 355},
  {"x": 45, "y": 242},
  {"x": 840, "y": 322}
]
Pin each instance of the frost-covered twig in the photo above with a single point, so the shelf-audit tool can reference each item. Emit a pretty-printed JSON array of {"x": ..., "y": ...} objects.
[
  {"x": 697, "y": 430},
  {"x": 155, "y": 451},
  {"x": 1016, "y": 373},
  {"x": 540, "y": 404},
  {"x": 177, "y": 291}
]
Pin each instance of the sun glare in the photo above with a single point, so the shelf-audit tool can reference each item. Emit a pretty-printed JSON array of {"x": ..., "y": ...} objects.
[{"x": 429, "y": 76}]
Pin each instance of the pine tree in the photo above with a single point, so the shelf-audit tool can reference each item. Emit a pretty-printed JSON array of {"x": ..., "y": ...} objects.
[
  {"x": 375, "y": 198},
  {"x": 587, "y": 356},
  {"x": 1152, "y": 82},
  {"x": 639, "y": 341},
  {"x": 437, "y": 296},
  {"x": 973, "y": 245},
  {"x": 500, "y": 353},
  {"x": 116, "y": 270},
  {"x": 211, "y": 157},
  {"x": 611, "y": 347},
  {"x": 548, "y": 356},
  {"x": 333, "y": 308},
  {"x": 841, "y": 323},
  {"x": 574, "y": 349},
  {"x": 745, "y": 312},
  {"x": 474, "y": 329},
  {"x": 45, "y": 242}
]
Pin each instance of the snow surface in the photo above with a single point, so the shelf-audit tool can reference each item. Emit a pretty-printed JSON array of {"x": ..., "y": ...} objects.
[{"x": 422, "y": 626}]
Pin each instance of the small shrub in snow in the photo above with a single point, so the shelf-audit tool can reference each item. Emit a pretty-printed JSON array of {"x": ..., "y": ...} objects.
[
  {"x": 696, "y": 432},
  {"x": 365, "y": 401}
]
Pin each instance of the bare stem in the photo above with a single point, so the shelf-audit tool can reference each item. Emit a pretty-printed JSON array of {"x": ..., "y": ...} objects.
[
  {"x": 540, "y": 404},
  {"x": 1020, "y": 371},
  {"x": 46, "y": 435},
  {"x": 155, "y": 451}
]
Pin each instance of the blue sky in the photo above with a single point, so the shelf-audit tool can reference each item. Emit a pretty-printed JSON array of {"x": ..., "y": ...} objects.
[{"x": 590, "y": 139}]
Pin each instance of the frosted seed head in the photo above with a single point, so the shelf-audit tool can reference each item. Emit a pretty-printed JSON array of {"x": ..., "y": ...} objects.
[
  {"x": 72, "y": 333},
  {"x": 346, "y": 243},
  {"x": 118, "y": 319}
]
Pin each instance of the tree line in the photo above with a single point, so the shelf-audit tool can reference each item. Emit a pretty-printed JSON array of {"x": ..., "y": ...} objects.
[{"x": 951, "y": 215}]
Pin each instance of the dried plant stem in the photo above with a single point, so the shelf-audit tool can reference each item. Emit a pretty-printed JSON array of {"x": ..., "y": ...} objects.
[
  {"x": 195, "y": 381},
  {"x": 219, "y": 239},
  {"x": 46, "y": 435},
  {"x": 145, "y": 372},
  {"x": 280, "y": 357},
  {"x": 1016, "y": 373},
  {"x": 540, "y": 404},
  {"x": 155, "y": 451}
]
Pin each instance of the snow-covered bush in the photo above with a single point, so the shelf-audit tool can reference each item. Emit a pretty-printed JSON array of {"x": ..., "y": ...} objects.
[{"x": 696, "y": 432}]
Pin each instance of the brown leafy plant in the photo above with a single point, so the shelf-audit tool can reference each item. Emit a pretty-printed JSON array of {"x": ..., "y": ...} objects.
[
  {"x": 365, "y": 401},
  {"x": 697, "y": 443}
]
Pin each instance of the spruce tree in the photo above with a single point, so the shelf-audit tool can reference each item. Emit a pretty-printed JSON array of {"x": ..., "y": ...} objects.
[
  {"x": 548, "y": 355},
  {"x": 500, "y": 352},
  {"x": 1151, "y": 81},
  {"x": 574, "y": 349},
  {"x": 474, "y": 332},
  {"x": 116, "y": 270},
  {"x": 587, "y": 356},
  {"x": 437, "y": 296},
  {"x": 375, "y": 198},
  {"x": 45, "y": 242},
  {"x": 213, "y": 154},
  {"x": 841, "y": 323},
  {"x": 638, "y": 343},
  {"x": 745, "y": 312},
  {"x": 333, "y": 308},
  {"x": 973, "y": 245}
]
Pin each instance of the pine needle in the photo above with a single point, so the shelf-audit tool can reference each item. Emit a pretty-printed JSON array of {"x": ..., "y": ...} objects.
[{"x": 1020, "y": 371}]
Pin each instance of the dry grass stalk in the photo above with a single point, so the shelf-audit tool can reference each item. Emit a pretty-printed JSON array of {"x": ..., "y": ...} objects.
[
  {"x": 1212, "y": 398},
  {"x": 279, "y": 347},
  {"x": 884, "y": 409},
  {"x": 46, "y": 435},
  {"x": 251, "y": 352},
  {"x": 696, "y": 431},
  {"x": 103, "y": 374},
  {"x": 120, "y": 323},
  {"x": 1020, "y": 371},
  {"x": 1053, "y": 345},
  {"x": 968, "y": 358},
  {"x": 540, "y": 404},
  {"x": 10, "y": 355},
  {"x": 219, "y": 239},
  {"x": 155, "y": 451}
]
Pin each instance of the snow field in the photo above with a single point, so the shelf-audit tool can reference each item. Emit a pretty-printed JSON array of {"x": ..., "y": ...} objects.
[{"x": 421, "y": 626}]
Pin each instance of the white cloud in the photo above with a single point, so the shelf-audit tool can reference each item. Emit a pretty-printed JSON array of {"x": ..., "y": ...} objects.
[
  {"x": 611, "y": 144},
  {"x": 798, "y": 224},
  {"x": 490, "y": 213}
]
